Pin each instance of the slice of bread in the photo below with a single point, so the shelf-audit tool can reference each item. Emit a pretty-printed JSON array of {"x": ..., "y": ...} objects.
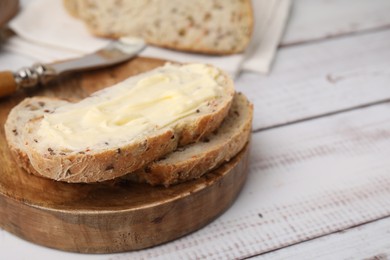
[
  {"x": 119, "y": 154},
  {"x": 213, "y": 27},
  {"x": 194, "y": 160}
]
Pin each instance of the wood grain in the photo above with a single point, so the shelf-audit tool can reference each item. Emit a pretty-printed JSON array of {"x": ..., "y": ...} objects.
[
  {"x": 314, "y": 80},
  {"x": 305, "y": 181},
  {"x": 323, "y": 19},
  {"x": 113, "y": 216},
  {"x": 368, "y": 241}
]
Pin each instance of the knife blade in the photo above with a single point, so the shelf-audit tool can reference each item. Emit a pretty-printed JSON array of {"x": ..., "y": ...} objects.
[{"x": 28, "y": 77}]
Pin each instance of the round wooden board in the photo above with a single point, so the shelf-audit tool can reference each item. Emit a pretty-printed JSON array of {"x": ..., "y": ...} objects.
[{"x": 113, "y": 216}]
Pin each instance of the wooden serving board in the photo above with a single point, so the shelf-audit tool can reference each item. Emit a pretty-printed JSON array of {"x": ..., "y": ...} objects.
[{"x": 113, "y": 216}]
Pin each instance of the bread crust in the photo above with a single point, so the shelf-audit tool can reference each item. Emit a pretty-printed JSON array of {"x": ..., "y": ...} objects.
[{"x": 96, "y": 166}]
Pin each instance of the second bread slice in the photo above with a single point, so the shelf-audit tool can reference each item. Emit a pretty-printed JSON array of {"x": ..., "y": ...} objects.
[{"x": 194, "y": 160}]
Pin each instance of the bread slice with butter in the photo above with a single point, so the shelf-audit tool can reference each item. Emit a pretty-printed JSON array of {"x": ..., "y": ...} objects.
[
  {"x": 213, "y": 27},
  {"x": 122, "y": 128},
  {"x": 194, "y": 160},
  {"x": 184, "y": 164}
]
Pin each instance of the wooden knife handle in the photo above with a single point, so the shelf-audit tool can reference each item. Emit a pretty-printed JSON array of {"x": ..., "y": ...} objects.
[{"x": 7, "y": 83}]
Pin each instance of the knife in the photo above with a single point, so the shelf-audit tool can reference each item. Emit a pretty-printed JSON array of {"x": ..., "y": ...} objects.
[{"x": 28, "y": 77}]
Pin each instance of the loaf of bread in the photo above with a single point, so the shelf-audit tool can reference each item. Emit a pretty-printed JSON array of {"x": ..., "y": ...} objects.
[
  {"x": 122, "y": 128},
  {"x": 194, "y": 160},
  {"x": 204, "y": 26}
]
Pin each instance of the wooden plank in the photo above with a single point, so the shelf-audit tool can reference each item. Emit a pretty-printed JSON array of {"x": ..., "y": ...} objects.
[
  {"x": 12, "y": 247},
  {"x": 313, "y": 80},
  {"x": 314, "y": 20},
  {"x": 369, "y": 241},
  {"x": 306, "y": 180}
]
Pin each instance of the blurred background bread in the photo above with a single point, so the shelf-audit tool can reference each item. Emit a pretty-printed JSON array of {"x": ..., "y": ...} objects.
[{"x": 203, "y": 26}]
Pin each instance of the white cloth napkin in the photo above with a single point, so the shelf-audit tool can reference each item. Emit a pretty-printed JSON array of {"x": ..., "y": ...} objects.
[{"x": 46, "y": 32}]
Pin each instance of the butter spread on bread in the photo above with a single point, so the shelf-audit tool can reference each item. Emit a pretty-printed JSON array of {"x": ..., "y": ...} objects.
[
  {"x": 122, "y": 128},
  {"x": 134, "y": 106}
]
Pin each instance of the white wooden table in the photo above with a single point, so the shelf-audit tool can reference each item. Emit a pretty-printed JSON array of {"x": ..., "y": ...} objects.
[{"x": 319, "y": 181}]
